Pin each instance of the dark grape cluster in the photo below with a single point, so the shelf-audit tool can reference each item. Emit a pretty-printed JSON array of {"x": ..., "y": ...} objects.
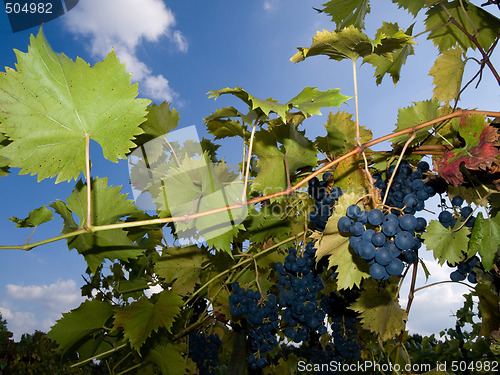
[
  {"x": 299, "y": 285},
  {"x": 263, "y": 320},
  {"x": 344, "y": 322},
  {"x": 408, "y": 191},
  {"x": 324, "y": 357},
  {"x": 448, "y": 219},
  {"x": 383, "y": 239},
  {"x": 464, "y": 271},
  {"x": 203, "y": 350},
  {"x": 324, "y": 201}
]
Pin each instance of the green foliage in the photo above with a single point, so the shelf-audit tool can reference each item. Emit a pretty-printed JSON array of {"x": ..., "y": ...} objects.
[
  {"x": 246, "y": 230},
  {"x": 52, "y": 104}
]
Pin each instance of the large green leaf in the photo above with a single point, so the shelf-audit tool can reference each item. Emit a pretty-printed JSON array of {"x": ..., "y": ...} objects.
[
  {"x": 50, "y": 104},
  {"x": 351, "y": 43},
  {"x": 108, "y": 206},
  {"x": 379, "y": 309},
  {"x": 448, "y": 70},
  {"x": 347, "y": 12},
  {"x": 485, "y": 240},
  {"x": 447, "y": 244},
  {"x": 446, "y": 37},
  {"x": 142, "y": 317},
  {"x": 80, "y": 324}
]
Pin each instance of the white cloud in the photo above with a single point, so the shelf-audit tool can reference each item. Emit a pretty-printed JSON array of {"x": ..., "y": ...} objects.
[
  {"x": 37, "y": 307},
  {"x": 270, "y": 5},
  {"x": 123, "y": 25}
]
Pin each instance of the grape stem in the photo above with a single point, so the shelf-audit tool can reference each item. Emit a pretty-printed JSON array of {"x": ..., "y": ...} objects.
[
  {"x": 442, "y": 282},
  {"x": 357, "y": 149}
]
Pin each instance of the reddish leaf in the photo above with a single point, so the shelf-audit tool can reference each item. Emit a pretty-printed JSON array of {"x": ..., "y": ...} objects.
[{"x": 479, "y": 153}]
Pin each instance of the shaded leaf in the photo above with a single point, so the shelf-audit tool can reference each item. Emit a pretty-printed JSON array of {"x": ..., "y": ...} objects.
[
  {"x": 447, "y": 244},
  {"x": 142, "y": 317},
  {"x": 485, "y": 240},
  {"x": 489, "y": 301},
  {"x": 80, "y": 324},
  {"x": 379, "y": 310},
  {"x": 448, "y": 70},
  {"x": 50, "y": 104},
  {"x": 446, "y": 37},
  {"x": 35, "y": 218},
  {"x": 168, "y": 358}
]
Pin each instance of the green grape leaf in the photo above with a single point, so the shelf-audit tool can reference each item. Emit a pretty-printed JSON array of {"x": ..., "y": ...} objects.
[
  {"x": 485, "y": 240},
  {"x": 80, "y": 324},
  {"x": 412, "y": 6},
  {"x": 310, "y": 100},
  {"x": 393, "y": 63},
  {"x": 351, "y": 268},
  {"x": 263, "y": 107},
  {"x": 168, "y": 358},
  {"x": 51, "y": 104},
  {"x": 350, "y": 176},
  {"x": 160, "y": 120},
  {"x": 487, "y": 26},
  {"x": 480, "y": 151},
  {"x": 35, "y": 218},
  {"x": 414, "y": 115},
  {"x": 347, "y": 12},
  {"x": 350, "y": 43},
  {"x": 341, "y": 134},
  {"x": 142, "y": 317},
  {"x": 448, "y": 70},
  {"x": 181, "y": 266},
  {"x": 489, "y": 301},
  {"x": 267, "y": 223},
  {"x": 108, "y": 206},
  {"x": 379, "y": 310},
  {"x": 447, "y": 244}
]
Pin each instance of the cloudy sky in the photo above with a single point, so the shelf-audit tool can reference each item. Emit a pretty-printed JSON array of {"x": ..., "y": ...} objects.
[{"x": 178, "y": 51}]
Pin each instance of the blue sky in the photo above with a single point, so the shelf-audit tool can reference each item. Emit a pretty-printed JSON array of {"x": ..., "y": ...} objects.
[{"x": 178, "y": 51}]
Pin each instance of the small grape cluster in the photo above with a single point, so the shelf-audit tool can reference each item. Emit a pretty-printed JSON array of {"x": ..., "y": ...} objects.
[
  {"x": 448, "y": 220},
  {"x": 464, "y": 270},
  {"x": 343, "y": 326},
  {"x": 263, "y": 319},
  {"x": 299, "y": 285},
  {"x": 383, "y": 239},
  {"x": 407, "y": 192},
  {"x": 203, "y": 350},
  {"x": 324, "y": 201}
]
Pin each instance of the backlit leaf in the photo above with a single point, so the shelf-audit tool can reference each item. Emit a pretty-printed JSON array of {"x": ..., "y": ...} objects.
[
  {"x": 50, "y": 104},
  {"x": 485, "y": 240},
  {"x": 347, "y": 12},
  {"x": 35, "y": 218},
  {"x": 412, "y": 6},
  {"x": 448, "y": 70},
  {"x": 447, "y": 244},
  {"x": 414, "y": 115}
]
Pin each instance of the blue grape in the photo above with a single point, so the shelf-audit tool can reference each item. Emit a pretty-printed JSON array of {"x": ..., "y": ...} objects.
[
  {"x": 395, "y": 268},
  {"x": 375, "y": 216}
]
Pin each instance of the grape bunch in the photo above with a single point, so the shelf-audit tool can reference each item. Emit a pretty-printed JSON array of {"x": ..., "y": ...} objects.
[
  {"x": 449, "y": 219},
  {"x": 324, "y": 357},
  {"x": 464, "y": 270},
  {"x": 299, "y": 285},
  {"x": 344, "y": 322},
  {"x": 408, "y": 191},
  {"x": 203, "y": 350},
  {"x": 383, "y": 239},
  {"x": 324, "y": 200},
  {"x": 263, "y": 319}
]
